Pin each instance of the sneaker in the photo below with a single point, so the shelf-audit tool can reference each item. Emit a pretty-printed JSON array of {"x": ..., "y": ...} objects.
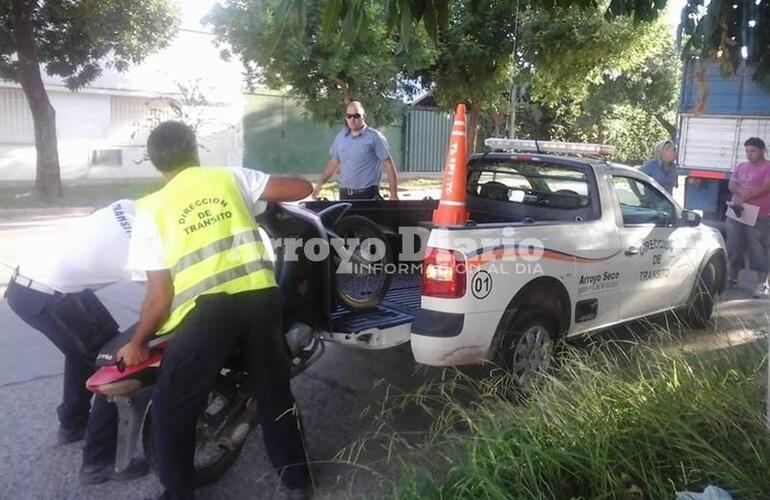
[
  {"x": 96, "y": 474},
  {"x": 67, "y": 436},
  {"x": 762, "y": 291}
]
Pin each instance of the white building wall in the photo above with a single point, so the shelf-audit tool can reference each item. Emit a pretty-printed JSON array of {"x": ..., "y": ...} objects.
[{"x": 118, "y": 110}]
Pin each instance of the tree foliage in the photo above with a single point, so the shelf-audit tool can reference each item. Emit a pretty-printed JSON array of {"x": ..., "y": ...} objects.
[
  {"x": 729, "y": 32},
  {"x": 714, "y": 30},
  {"x": 316, "y": 62},
  {"x": 579, "y": 76},
  {"x": 473, "y": 59},
  {"x": 562, "y": 52},
  {"x": 579, "y": 73},
  {"x": 408, "y": 15},
  {"x": 630, "y": 102},
  {"x": 74, "y": 40}
]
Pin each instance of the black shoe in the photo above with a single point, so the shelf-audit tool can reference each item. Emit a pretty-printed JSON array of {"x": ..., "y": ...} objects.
[
  {"x": 66, "y": 436},
  {"x": 96, "y": 474}
]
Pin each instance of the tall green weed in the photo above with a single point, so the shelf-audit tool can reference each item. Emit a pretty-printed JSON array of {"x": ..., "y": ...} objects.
[{"x": 609, "y": 422}]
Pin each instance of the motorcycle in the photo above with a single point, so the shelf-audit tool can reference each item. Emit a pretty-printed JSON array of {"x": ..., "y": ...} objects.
[{"x": 311, "y": 288}]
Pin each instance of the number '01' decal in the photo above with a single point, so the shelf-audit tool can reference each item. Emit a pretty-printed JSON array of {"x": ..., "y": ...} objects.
[{"x": 481, "y": 284}]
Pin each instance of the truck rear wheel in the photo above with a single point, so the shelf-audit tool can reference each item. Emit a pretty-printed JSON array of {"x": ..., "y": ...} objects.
[{"x": 525, "y": 346}]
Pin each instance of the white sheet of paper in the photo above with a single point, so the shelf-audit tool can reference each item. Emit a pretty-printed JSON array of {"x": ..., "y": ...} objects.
[{"x": 748, "y": 217}]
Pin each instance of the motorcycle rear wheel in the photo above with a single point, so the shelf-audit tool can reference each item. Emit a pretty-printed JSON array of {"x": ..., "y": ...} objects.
[
  {"x": 216, "y": 447},
  {"x": 362, "y": 285}
]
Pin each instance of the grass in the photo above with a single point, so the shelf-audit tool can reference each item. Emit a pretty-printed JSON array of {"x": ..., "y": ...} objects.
[
  {"x": 609, "y": 423},
  {"x": 78, "y": 194}
]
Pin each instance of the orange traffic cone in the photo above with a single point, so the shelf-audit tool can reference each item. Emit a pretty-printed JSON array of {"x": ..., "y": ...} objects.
[{"x": 451, "y": 209}]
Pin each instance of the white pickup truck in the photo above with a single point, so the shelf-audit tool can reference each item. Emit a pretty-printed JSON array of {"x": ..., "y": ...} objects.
[{"x": 555, "y": 245}]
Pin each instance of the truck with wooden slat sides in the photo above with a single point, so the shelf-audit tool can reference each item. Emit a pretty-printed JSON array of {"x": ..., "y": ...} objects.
[{"x": 716, "y": 116}]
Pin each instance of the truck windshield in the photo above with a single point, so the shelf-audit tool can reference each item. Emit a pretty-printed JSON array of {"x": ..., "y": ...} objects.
[{"x": 530, "y": 183}]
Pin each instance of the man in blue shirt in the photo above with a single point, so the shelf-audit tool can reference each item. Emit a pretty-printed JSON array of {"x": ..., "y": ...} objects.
[
  {"x": 359, "y": 152},
  {"x": 662, "y": 168}
]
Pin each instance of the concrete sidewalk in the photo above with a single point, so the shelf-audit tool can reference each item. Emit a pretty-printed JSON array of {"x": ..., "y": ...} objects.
[{"x": 40, "y": 213}]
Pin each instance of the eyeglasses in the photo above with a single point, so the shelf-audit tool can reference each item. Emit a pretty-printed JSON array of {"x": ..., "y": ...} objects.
[{"x": 352, "y": 115}]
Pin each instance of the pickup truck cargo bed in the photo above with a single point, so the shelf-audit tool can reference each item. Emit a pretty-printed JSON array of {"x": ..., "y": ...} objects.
[{"x": 397, "y": 308}]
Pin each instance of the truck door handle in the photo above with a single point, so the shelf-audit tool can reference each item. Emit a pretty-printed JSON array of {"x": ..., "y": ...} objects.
[{"x": 632, "y": 251}]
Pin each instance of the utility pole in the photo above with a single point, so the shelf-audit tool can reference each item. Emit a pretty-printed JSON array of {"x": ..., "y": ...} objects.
[
  {"x": 512, "y": 115},
  {"x": 513, "y": 98},
  {"x": 767, "y": 404}
]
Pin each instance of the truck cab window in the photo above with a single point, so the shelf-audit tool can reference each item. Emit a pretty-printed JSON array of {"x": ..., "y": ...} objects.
[
  {"x": 543, "y": 185},
  {"x": 505, "y": 189},
  {"x": 641, "y": 203},
  {"x": 501, "y": 186}
]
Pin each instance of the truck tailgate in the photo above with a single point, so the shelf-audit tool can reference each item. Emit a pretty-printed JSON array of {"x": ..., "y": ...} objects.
[{"x": 386, "y": 326}]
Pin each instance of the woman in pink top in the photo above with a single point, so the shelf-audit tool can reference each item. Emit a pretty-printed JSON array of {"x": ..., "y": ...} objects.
[{"x": 750, "y": 184}]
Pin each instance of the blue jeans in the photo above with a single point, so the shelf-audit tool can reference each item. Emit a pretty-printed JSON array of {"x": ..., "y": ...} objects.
[
  {"x": 754, "y": 240},
  {"x": 72, "y": 329}
]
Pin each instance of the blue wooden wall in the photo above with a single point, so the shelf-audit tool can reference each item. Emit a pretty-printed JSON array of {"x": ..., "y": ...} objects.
[{"x": 737, "y": 94}]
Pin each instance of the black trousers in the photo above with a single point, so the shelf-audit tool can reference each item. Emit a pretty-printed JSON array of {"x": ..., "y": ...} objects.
[
  {"x": 74, "y": 325},
  {"x": 368, "y": 193},
  {"x": 191, "y": 363}
]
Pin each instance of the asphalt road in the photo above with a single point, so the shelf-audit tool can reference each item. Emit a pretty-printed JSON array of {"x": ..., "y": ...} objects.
[
  {"x": 339, "y": 398},
  {"x": 332, "y": 395}
]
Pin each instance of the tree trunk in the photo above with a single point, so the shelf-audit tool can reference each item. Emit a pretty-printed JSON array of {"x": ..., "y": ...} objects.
[
  {"x": 670, "y": 127},
  {"x": 47, "y": 177},
  {"x": 499, "y": 119},
  {"x": 473, "y": 128},
  {"x": 512, "y": 117}
]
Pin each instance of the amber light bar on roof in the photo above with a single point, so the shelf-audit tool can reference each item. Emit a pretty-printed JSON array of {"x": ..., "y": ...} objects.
[{"x": 577, "y": 148}]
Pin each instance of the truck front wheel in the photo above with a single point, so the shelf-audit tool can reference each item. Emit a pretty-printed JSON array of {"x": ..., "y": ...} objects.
[
  {"x": 524, "y": 346},
  {"x": 701, "y": 304}
]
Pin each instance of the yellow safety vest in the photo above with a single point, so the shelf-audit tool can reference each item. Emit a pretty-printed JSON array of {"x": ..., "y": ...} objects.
[{"x": 211, "y": 242}]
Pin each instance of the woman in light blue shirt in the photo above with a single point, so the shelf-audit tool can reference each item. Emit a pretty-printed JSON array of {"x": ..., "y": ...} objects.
[{"x": 662, "y": 167}]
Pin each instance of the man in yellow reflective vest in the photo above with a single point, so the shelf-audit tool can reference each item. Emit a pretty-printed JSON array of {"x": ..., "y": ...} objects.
[{"x": 210, "y": 280}]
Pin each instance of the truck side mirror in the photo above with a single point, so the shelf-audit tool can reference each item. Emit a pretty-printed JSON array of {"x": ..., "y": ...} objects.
[{"x": 690, "y": 218}]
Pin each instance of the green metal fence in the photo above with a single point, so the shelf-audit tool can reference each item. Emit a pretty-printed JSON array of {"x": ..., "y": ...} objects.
[
  {"x": 426, "y": 137},
  {"x": 279, "y": 139}
]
